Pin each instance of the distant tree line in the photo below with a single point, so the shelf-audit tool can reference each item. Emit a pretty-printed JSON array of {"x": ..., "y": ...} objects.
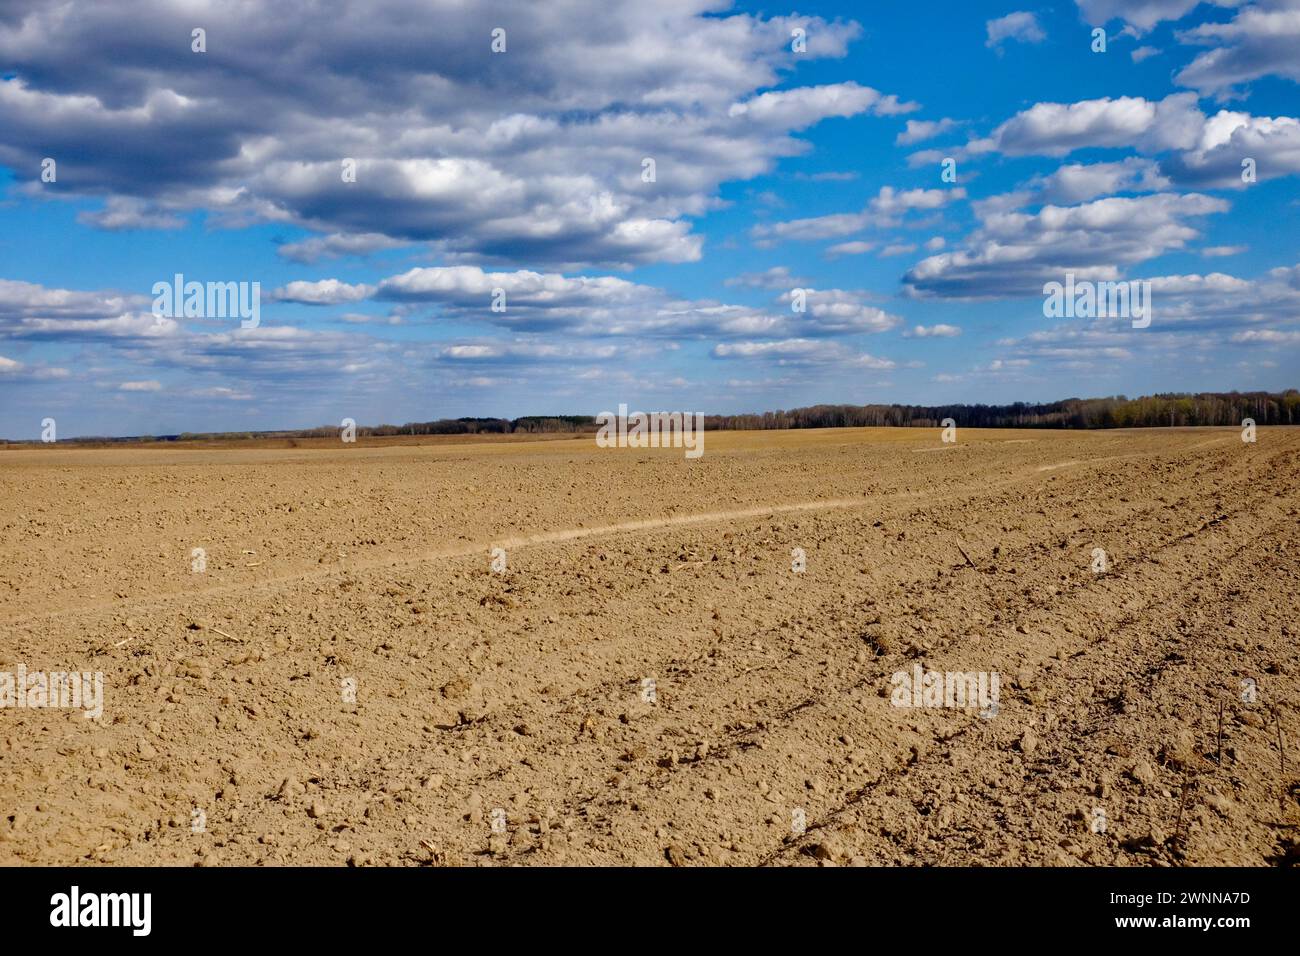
[
  {"x": 1149, "y": 411},
  {"x": 1204, "y": 408},
  {"x": 462, "y": 426}
]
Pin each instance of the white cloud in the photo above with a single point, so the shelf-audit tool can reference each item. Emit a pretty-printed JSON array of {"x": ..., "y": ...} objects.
[
  {"x": 836, "y": 311},
  {"x": 1055, "y": 129},
  {"x": 1196, "y": 319},
  {"x": 854, "y": 248},
  {"x": 334, "y": 246},
  {"x": 1140, "y": 15},
  {"x": 1203, "y": 151},
  {"x": 897, "y": 249},
  {"x": 223, "y": 392},
  {"x": 1022, "y": 26},
  {"x": 1075, "y": 182},
  {"x": 802, "y": 352},
  {"x": 599, "y": 305},
  {"x": 1268, "y": 337},
  {"x": 885, "y": 210},
  {"x": 919, "y": 130},
  {"x": 122, "y": 213},
  {"x": 1013, "y": 253},
  {"x": 971, "y": 149},
  {"x": 258, "y": 135},
  {"x": 937, "y": 331},
  {"x": 32, "y": 311},
  {"x": 1261, "y": 40},
  {"x": 322, "y": 292},
  {"x": 777, "y": 277},
  {"x": 1228, "y": 138},
  {"x": 523, "y": 350},
  {"x": 19, "y": 300},
  {"x": 798, "y": 108}
]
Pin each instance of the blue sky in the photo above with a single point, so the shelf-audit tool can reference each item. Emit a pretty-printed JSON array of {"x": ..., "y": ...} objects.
[{"x": 521, "y": 170}]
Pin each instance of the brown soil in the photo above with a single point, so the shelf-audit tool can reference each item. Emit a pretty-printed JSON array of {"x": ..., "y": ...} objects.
[{"x": 502, "y": 718}]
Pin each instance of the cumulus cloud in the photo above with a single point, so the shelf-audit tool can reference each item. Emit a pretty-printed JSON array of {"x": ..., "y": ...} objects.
[
  {"x": 1196, "y": 319},
  {"x": 1014, "y": 253},
  {"x": 1140, "y": 15},
  {"x": 26, "y": 300},
  {"x": 14, "y": 372},
  {"x": 855, "y": 248},
  {"x": 322, "y": 292},
  {"x": 335, "y": 246},
  {"x": 897, "y": 249},
  {"x": 1080, "y": 349},
  {"x": 1199, "y": 151},
  {"x": 1022, "y": 26},
  {"x": 836, "y": 311},
  {"x": 785, "y": 352},
  {"x": 121, "y": 213},
  {"x": 1227, "y": 138},
  {"x": 1220, "y": 301},
  {"x": 885, "y": 210},
  {"x": 937, "y": 331},
  {"x": 1055, "y": 129},
  {"x": 1077, "y": 182},
  {"x": 603, "y": 306},
  {"x": 525, "y": 351},
  {"x": 794, "y": 109},
  {"x": 133, "y": 346},
  {"x": 259, "y": 127},
  {"x": 1268, "y": 337},
  {"x": 1261, "y": 40},
  {"x": 34, "y": 312},
  {"x": 920, "y": 130},
  {"x": 974, "y": 147},
  {"x": 223, "y": 392},
  {"x": 777, "y": 277}
]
